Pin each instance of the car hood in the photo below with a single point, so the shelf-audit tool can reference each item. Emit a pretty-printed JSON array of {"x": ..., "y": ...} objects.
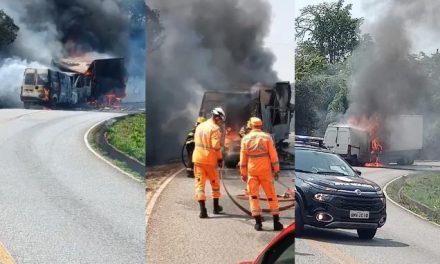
[{"x": 348, "y": 183}]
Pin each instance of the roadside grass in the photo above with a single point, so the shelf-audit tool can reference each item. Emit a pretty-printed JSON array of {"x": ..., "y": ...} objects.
[
  {"x": 424, "y": 188},
  {"x": 122, "y": 165},
  {"x": 128, "y": 136}
]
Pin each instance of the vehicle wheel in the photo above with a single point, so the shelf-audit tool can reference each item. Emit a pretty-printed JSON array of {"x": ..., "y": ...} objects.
[
  {"x": 356, "y": 161},
  {"x": 408, "y": 161},
  {"x": 367, "y": 233},
  {"x": 401, "y": 161},
  {"x": 230, "y": 163},
  {"x": 26, "y": 105},
  {"x": 299, "y": 223}
]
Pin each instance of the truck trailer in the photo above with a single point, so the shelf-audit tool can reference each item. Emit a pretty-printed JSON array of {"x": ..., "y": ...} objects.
[{"x": 404, "y": 141}]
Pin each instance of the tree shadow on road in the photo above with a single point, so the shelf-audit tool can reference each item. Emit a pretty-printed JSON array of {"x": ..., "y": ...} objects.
[{"x": 348, "y": 238}]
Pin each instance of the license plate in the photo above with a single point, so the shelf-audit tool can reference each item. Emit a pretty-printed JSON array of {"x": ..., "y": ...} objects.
[{"x": 359, "y": 214}]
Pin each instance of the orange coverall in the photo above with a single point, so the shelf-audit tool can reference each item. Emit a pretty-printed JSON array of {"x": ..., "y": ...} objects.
[
  {"x": 205, "y": 158},
  {"x": 258, "y": 157}
]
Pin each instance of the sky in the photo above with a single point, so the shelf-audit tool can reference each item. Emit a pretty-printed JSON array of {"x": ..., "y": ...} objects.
[
  {"x": 370, "y": 10},
  {"x": 281, "y": 39}
]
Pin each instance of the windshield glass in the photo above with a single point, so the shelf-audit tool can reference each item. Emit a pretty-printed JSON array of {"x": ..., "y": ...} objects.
[
  {"x": 321, "y": 163},
  {"x": 29, "y": 79},
  {"x": 42, "y": 79}
]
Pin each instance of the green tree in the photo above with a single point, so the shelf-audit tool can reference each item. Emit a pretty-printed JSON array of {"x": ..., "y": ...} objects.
[
  {"x": 330, "y": 28},
  {"x": 8, "y": 30},
  {"x": 308, "y": 61},
  {"x": 321, "y": 98}
]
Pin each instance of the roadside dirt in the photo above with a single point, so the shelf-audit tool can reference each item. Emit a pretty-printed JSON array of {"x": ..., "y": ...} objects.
[{"x": 156, "y": 174}]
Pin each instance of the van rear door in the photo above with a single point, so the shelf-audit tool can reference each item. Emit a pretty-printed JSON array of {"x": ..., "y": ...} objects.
[
  {"x": 330, "y": 137},
  {"x": 342, "y": 140}
]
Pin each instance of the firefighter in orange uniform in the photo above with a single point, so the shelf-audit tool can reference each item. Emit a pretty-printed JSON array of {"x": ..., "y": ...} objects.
[
  {"x": 258, "y": 158},
  {"x": 207, "y": 157}
]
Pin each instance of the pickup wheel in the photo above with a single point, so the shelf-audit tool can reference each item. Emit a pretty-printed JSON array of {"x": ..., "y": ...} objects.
[
  {"x": 299, "y": 223},
  {"x": 366, "y": 233}
]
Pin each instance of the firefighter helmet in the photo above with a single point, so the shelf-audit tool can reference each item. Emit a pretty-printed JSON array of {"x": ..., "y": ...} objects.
[
  {"x": 256, "y": 122},
  {"x": 200, "y": 119},
  {"x": 218, "y": 111}
]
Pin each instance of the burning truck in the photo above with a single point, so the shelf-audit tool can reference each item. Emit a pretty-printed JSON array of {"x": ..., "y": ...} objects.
[
  {"x": 75, "y": 82},
  {"x": 360, "y": 142},
  {"x": 271, "y": 104}
]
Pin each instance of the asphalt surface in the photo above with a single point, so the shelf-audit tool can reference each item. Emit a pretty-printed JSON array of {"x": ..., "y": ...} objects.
[
  {"x": 404, "y": 238},
  {"x": 175, "y": 233},
  {"x": 59, "y": 202}
]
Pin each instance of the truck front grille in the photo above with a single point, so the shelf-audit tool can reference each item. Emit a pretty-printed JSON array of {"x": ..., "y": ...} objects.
[{"x": 358, "y": 203}]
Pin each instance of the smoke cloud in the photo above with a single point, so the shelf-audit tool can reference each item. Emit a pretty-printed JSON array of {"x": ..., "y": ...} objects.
[
  {"x": 386, "y": 81},
  {"x": 11, "y": 75},
  {"x": 207, "y": 45},
  {"x": 55, "y": 29}
]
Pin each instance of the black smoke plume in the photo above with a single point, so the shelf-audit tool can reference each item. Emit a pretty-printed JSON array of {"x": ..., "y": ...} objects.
[{"x": 206, "y": 45}]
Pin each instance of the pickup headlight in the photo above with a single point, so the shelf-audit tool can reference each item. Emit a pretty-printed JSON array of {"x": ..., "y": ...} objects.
[
  {"x": 378, "y": 190},
  {"x": 322, "y": 197}
]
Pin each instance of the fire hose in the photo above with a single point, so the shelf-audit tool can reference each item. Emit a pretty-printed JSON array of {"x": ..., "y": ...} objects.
[{"x": 282, "y": 208}]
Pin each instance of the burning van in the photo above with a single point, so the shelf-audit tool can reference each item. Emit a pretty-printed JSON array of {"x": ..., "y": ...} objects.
[
  {"x": 271, "y": 104},
  {"x": 360, "y": 144},
  {"x": 51, "y": 88},
  {"x": 73, "y": 82}
]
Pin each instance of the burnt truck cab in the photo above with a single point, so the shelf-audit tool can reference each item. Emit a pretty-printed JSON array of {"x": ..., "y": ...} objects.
[
  {"x": 271, "y": 104},
  {"x": 100, "y": 81}
]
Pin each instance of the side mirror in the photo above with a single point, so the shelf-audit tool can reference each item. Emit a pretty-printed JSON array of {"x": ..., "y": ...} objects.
[{"x": 358, "y": 172}]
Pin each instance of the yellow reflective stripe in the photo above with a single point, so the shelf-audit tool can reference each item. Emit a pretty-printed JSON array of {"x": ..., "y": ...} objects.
[
  {"x": 275, "y": 163},
  {"x": 243, "y": 166},
  {"x": 258, "y": 155},
  {"x": 205, "y": 147},
  {"x": 249, "y": 137}
]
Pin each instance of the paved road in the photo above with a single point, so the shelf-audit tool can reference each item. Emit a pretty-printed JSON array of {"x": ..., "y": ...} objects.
[
  {"x": 175, "y": 234},
  {"x": 403, "y": 239},
  {"x": 60, "y": 203}
]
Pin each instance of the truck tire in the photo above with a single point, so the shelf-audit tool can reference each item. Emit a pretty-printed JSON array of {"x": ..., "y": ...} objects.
[
  {"x": 230, "y": 163},
  {"x": 366, "y": 233},
  {"x": 355, "y": 161}
]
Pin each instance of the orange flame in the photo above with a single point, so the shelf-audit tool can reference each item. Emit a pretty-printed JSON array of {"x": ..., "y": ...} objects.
[
  {"x": 371, "y": 124},
  {"x": 232, "y": 137}
]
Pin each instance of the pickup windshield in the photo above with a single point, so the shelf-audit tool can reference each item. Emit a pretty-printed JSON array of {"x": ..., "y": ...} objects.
[{"x": 318, "y": 162}]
